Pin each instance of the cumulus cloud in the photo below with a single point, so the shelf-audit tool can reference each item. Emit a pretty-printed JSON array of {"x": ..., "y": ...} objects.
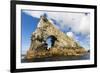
[
  {"x": 78, "y": 22},
  {"x": 70, "y": 34},
  {"x": 33, "y": 13}
]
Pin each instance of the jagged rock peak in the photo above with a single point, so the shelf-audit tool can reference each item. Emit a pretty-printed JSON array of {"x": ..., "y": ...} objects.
[{"x": 43, "y": 18}]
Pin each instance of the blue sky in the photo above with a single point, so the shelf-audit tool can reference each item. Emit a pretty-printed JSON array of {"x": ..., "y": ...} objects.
[
  {"x": 75, "y": 25},
  {"x": 29, "y": 25}
]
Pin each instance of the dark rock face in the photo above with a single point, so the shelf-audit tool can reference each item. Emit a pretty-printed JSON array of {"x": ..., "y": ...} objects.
[{"x": 46, "y": 29}]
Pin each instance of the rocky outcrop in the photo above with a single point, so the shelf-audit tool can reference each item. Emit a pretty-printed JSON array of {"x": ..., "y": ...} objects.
[
  {"x": 55, "y": 52},
  {"x": 47, "y": 29}
]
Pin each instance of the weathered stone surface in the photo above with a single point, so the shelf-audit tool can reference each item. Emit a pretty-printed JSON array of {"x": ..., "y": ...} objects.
[
  {"x": 55, "y": 52},
  {"x": 47, "y": 29},
  {"x": 44, "y": 30}
]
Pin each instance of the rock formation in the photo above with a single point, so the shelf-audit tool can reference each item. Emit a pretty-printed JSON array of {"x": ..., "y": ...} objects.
[{"x": 46, "y": 29}]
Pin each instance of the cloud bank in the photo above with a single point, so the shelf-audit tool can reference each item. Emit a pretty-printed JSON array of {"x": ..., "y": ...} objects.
[
  {"x": 78, "y": 22},
  {"x": 72, "y": 23}
]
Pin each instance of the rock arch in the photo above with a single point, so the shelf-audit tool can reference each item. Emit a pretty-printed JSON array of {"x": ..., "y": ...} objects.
[
  {"x": 50, "y": 40},
  {"x": 47, "y": 29}
]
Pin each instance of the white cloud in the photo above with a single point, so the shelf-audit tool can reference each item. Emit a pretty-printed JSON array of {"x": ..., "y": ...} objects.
[
  {"x": 70, "y": 34},
  {"x": 79, "y": 22},
  {"x": 33, "y": 13}
]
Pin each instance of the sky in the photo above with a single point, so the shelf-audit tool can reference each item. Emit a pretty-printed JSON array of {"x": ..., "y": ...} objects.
[{"x": 74, "y": 24}]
